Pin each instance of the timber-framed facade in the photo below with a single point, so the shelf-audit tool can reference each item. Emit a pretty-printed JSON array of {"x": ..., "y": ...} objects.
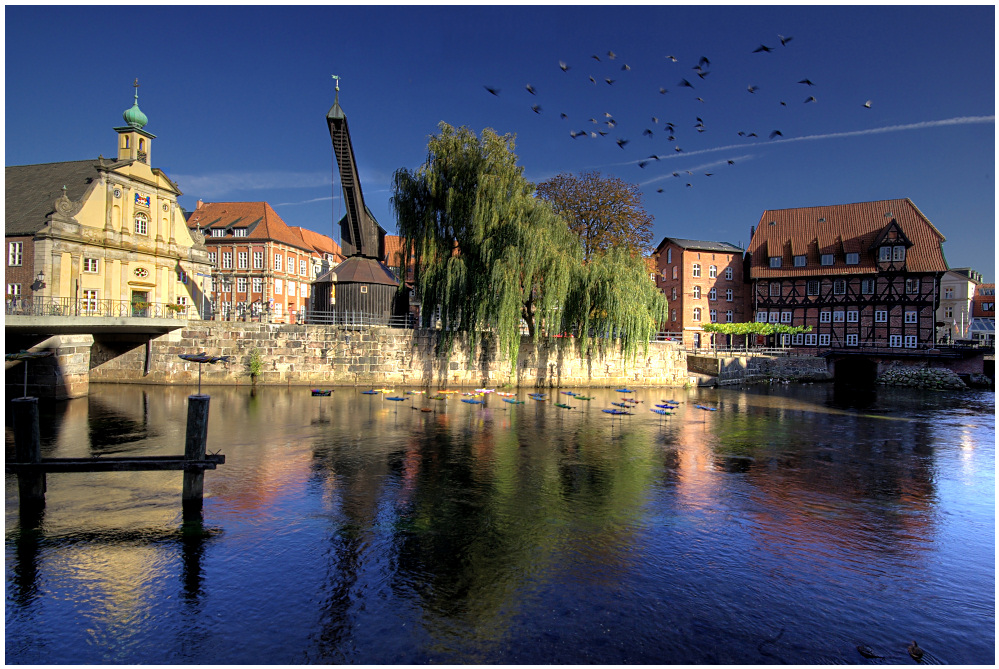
[{"x": 863, "y": 275}]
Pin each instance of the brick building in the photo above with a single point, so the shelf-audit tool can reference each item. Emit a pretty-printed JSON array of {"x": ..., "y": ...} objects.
[
  {"x": 261, "y": 266},
  {"x": 983, "y": 314},
  {"x": 703, "y": 283},
  {"x": 861, "y": 275}
]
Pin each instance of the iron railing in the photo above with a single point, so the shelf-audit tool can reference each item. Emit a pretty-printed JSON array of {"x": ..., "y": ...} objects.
[
  {"x": 73, "y": 307},
  {"x": 359, "y": 319}
]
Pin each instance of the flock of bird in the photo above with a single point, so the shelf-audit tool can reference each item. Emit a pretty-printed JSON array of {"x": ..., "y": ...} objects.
[{"x": 606, "y": 125}]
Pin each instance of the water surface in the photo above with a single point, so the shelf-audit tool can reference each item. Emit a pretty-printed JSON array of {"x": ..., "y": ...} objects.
[{"x": 787, "y": 526}]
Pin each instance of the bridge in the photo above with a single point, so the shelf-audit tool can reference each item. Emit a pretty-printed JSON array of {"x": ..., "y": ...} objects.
[{"x": 80, "y": 333}]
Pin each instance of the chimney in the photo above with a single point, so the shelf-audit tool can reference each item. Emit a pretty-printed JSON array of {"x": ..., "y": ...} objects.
[{"x": 200, "y": 205}]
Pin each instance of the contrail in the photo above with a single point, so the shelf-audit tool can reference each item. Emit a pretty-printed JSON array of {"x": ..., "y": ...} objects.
[
  {"x": 704, "y": 166},
  {"x": 328, "y": 198},
  {"x": 961, "y": 120}
]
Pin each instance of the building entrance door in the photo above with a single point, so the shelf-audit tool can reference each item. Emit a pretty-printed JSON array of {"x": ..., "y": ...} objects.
[{"x": 140, "y": 304}]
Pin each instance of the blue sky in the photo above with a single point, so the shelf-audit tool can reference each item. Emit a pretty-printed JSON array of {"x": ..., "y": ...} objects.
[{"x": 237, "y": 97}]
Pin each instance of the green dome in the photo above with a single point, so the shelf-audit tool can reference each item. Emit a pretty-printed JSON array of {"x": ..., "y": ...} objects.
[{"x": 134, "y": 116}]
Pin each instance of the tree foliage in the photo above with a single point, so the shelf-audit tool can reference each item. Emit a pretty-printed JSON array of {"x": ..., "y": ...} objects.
[
  {"x": 488, "y": 253},
  {"x": 604, "y": 211}
]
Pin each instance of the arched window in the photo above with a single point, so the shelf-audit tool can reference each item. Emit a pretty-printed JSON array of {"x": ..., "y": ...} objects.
[
  {"x": 142, "y": 144},
  {"x": 141, "y": 224},
  {"x": 697, "y": 292},
  {"x": 696, "y": 269},
  {"x": 125, "y": 137},
  {"x": 697, "y": 313},
  {"x": 712, "y": 271}
]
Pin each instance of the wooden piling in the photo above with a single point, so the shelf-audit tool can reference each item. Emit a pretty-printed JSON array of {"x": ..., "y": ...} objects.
[
  {"x": 28, "y": 448},
  {"x": 194, "y": 449}
]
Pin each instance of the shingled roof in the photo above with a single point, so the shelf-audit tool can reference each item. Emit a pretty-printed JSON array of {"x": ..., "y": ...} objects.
[
  {"x": 841, "y": 229},
  {"x": 261, "y": 221},
  {"x": 30, "y": 191},
  {"x": 697, "y": 245}
]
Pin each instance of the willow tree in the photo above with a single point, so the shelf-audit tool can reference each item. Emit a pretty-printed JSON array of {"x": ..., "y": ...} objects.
[
  {"x": 615, "y": 299},
  {"x": 487, "y": 252}
]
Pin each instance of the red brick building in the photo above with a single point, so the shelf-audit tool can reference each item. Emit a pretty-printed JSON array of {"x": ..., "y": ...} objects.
[
  {"x": 861, "y": 275},
  {"x": 262, "y": 267},
  {"x": 703, "y": 283},
  {"x": 983, "y": 314}
]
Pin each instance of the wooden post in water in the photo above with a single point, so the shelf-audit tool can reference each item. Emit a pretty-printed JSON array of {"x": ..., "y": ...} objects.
[
  {"x": 194, "y": 449},
  {"x": 28, "y": 448}
]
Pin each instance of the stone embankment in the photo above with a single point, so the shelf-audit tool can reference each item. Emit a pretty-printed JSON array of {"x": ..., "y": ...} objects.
[
  {"x": 921, "y": 377},
  {"x": 375, "y": 356}
]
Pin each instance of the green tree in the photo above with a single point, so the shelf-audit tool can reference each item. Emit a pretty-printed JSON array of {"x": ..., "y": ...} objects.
[
  {"x": 489, "y": 254},
  {"x": 604, "y": 211}
]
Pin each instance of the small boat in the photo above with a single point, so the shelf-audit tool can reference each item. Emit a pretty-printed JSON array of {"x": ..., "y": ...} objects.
[
  {"x": 563, "y": 406},
  {"x": 203, "y": 357},
  {"x": 386, "y": 390},
  {"x": 448, "y": 392},
  {"x": 473, "y": 401},
  {"x": 618, "y": 412},
  {"x": 510, "y": 400},
  {"x": 317, "y": 392},
  {"x": 631, "y": 401},
  {"x": 624, "y": 390}
]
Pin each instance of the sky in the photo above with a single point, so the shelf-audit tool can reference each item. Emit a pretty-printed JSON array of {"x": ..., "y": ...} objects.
[{"x": 237, "y": 99}]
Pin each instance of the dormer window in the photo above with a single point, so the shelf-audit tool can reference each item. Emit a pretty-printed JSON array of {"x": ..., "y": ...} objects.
[
  {"x": 218, "y": 232},
  {"x": 827, "y": 259},
  {"x": 775, "y": 261},
  {"x": 897, "y": 253},
  {"x": 852, "y": 258},
  {"x": 799, "y": 261},
  {"x": 239, "y": 232}
]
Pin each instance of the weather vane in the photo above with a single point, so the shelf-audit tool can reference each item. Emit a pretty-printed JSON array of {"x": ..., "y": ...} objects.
[{"x": 336, "y": 78}]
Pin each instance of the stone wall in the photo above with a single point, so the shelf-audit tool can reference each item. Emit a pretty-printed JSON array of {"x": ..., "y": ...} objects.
[
  {"x": 788, "y": 368},
  {"x": 63, "y": 375},
  {"x": 339, "y": 356}
]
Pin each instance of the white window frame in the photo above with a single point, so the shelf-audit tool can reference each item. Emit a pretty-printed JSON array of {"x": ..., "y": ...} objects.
[
  {"x": 257, "y": 284},
  {"x": 673, "y": 315},
  {"x": 278, "y": 260},
  {"x": 895, "y": 341},
  {"x": 852, "y": 316},
  {"x": 14, "y": 290},
  {"x": 798, "y": 339},
  {"x": 88, "y": 303},
  {"x": 774, "y": 316},
  {"x": 839, "y": 286},
  {"x": 912, "y": 286},
  {"x": 695, "y": 270},
  {"x": 182, "y": 275},
  {"x": 785, "y": 317},
  {"x": 712, "y": 271},
  {"x": 218, "y": 232},
  {"x": 213, "y": 258},
  {"x": 911, "y": 316},
  {"x": 303, "y": 267},
  {"x": 141, "y": 222},
  {"x": 697, "y": 314},
  {"x": 291, "y": 289},
  {"x": 713, "y": 315},
  {"x": 697, "y": 292},
  {"x": 669, "y": 255},
  {"x": 242, "y": 260},
  {"x": 824, "y": 339},
  {"x": 911, "y": 341},
  {"x": 868, "y": 286},
  {"x": 880, "y": 315},
  {"x": 825, "y": 316},
  {"x": 897, "y": 253},
  {"x": 884, "y": 254},
  {"x": 810, "y": 339},
  {"x": 799, "y": 261},
  {"x": 258, "y": 260},
  {"x": 827, "y": 259},
  {"x": 713, "y": 294},
  {"x": 674, "y": 272},
  {"x": 839, "y": 316},
  {"x": 729, "y": 273},
  {"x": 226, "y": 260},
  {"x": 761, "y": 316},
  {"x": 851, "y": 339},
  {"x": 291, "y": 264},
  {"x": 812, "y": 287},
  {"x": 15, "y": 254},
  {"x": 91, "y": 266},
  {"x": 241, "y": 284},
  {"x": 729, "y": 295},
  {"x": 239, "y": 232},
  {"x": 278, "y": 286},
  {"x": 729, "y": 316},
  {"x": 775, "y": 289}
]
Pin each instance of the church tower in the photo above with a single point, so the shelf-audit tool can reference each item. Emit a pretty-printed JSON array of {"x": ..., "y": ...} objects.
[{"x": 134, "y": 143}]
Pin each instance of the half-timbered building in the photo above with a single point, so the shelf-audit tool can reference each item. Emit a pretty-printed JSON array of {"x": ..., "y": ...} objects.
[{"x": 860, "y": 275}]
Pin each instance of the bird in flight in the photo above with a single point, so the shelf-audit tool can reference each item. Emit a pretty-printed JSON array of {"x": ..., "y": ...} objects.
[
  {"x": 530, "y": 89},
  {"x": 867, "y": 104},
  {"x": 622, "y": 142},
  {"x": 576, "y": 133},
  {"x": 672, "y": 58},
  {"x": 611, "y": 55},
  {"x": 731, "y": 162},
  {"x": 625, "y": 67},
  {"x": 609, "y": 81},
  {"x": 643, "y": 163},
  {"x": 494, "y": 91},
  {"x": 762, "y": 47},
  {"x": 561, "y": 64},
  {"x": 776, "y": 133},
  {"x": 647, "y": 133},
  {"x": 752, "y": 89},
  {"x": 702, "y": 61},
  {"x": 592, "y": 80},
  {"x": 784, "y": 40},
  {"x": 684, "y": 82},
  {"x": 595, "y": 57},
  {"x": 662, "y": 91},
  {"x": 536, "y": 109},
  {"x": 563, "y": 115},
  {"x": 807, "y": 82},
  {"x": 810, "y": 98}
]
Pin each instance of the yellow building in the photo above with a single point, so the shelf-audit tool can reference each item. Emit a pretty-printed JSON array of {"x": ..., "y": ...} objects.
[{"x": 103, "y": 236}]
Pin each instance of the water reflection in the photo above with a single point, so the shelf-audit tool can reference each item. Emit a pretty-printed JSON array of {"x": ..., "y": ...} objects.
[{"x": 375, "y": 532}]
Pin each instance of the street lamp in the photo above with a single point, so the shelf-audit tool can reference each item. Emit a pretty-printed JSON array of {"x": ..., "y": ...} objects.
[{"x": 39, "y": 281}]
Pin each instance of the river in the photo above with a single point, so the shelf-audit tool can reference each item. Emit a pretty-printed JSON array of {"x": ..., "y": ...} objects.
[{"x": 789, "y": 525}]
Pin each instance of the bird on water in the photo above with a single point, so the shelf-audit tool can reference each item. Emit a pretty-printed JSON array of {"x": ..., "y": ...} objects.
[{"x": 915, "y": 651}]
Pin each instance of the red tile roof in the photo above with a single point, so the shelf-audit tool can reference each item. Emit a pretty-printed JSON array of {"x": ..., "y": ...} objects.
[
  {"x": 265, "y": 222},
  {"x": 320, "y": 243},
  {"x": 841, "y": 229},
  {"x": 393, "y": 250}
]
